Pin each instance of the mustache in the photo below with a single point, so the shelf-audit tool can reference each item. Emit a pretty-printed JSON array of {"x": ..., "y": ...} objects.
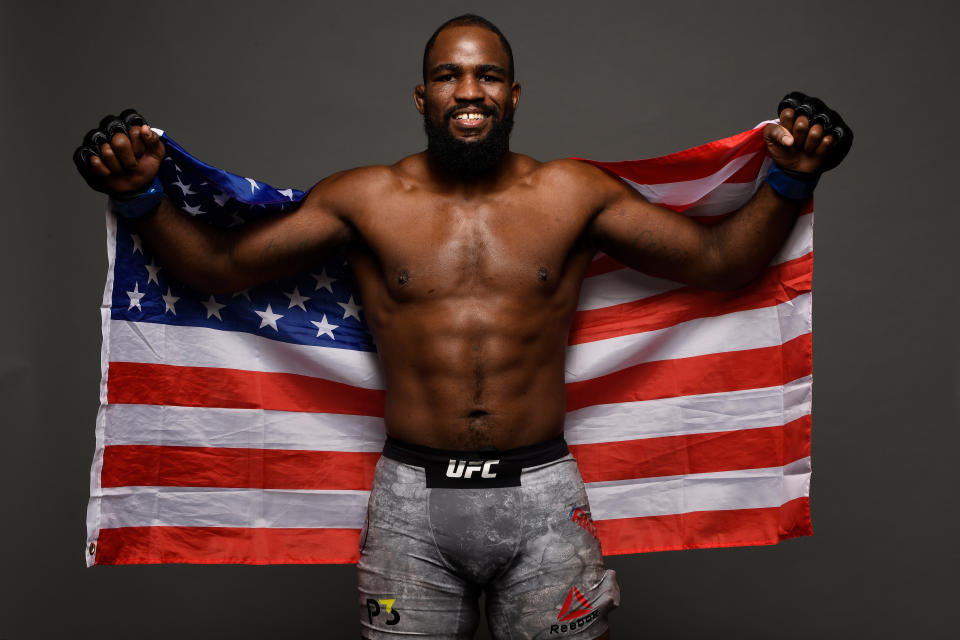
[{"x": 482, "y": 108}]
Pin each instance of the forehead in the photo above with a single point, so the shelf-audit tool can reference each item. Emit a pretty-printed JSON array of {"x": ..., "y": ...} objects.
[{"x": 468, "y": 45}]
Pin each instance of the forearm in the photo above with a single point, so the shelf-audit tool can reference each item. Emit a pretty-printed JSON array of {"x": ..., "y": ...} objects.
[{"x": 743, "y": 244}]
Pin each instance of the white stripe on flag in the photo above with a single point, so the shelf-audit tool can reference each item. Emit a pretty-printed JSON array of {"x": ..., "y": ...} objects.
[
  {"x": 201, "y": 347},
  {"x": 727, "y": 198},
  {"x": 719, "y": 491},
  {"x": 688, "y": 415},
  {"x": 131, "y": 424},
  {"x": 688, "y": 191},
  {"x": 751, "y": 329},
  {"x": 204, "y": 507},
  {"x": 243, "y": 428}
]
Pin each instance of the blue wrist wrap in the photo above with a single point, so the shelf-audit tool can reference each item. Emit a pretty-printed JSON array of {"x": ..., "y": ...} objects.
[
  {"x": 791, "y": 184},
  {"x": 138, "y": 205}
]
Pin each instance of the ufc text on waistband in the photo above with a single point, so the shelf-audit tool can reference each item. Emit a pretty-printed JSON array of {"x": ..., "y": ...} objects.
[{"x": 487, "y": 468}]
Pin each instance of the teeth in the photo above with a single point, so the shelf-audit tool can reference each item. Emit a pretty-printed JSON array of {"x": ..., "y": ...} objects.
[{"x": 470, "y": 116}]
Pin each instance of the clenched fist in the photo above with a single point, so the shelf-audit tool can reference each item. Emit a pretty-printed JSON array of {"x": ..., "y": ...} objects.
[
  {"x": 121, "y": 156},
  {"x": 810, "y": 139}
]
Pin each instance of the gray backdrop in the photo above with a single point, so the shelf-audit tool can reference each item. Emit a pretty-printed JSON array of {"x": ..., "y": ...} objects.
[{"x": 291, "y": 92}]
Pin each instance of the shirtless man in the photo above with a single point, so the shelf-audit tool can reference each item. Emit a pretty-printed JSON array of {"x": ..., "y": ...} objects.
[{"x": 469, "y": 259}]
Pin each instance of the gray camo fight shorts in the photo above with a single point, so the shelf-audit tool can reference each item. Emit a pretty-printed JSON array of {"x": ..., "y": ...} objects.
[{"x": 444, "y": 526}]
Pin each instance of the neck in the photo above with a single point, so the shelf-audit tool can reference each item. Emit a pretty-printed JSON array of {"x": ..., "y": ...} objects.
[{"x": 467, "y": 179}]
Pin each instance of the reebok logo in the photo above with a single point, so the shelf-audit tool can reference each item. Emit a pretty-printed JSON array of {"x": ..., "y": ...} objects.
[
  {"x": 570, "y": 612},
  {"x": 466, "y": 469},
  {"x": 575, "y": 614}
]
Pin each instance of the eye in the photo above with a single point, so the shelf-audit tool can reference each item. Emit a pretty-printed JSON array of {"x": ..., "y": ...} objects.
[
  {"x": 447, "y": 77},
  {"x": 488, "y": 78}
]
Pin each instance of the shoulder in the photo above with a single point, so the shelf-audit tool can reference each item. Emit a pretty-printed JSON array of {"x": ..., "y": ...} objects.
[
  {"x": 576, "y": 173},
  {"x": 342, "y": 191},
  {"x": 360, "y": 179},
  {"x": 576, "y": 180}
]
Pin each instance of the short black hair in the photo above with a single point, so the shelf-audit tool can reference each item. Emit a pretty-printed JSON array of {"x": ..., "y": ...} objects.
[{"x": 468, "y": 20}]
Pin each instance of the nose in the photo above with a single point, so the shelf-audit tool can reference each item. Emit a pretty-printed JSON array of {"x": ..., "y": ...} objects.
[{"x": 468, "y": 89}]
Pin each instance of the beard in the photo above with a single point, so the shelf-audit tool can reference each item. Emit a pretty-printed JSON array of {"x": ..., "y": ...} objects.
[{"x": 468, "y": 159}]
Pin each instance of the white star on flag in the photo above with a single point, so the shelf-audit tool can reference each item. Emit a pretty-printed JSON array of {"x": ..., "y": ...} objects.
[
  {"x": 213, "y": 307},
  {"x": 287, "y": 192},
  {"x": 220, "y": 198},
  {"x": 268, "y": 317},
  {"x": 350, "y": 308},
  {"x": 235, "y": 220},
  {"x": 135, "y": 296},
  {"x": 324, "y": 327},
  {"x": 243, "y": 292},
  {"x": 253, "y": 185},
  {"x": 193, "y": 210},
  {"x": 185, "y": 188},
  {"x": 136, "y": 243},
  {"x": 323, "y": 281},
  {"x": 296, "y": 300},
  {"x": 152, "y": 270},
  {"x": 170, "y": 300}
]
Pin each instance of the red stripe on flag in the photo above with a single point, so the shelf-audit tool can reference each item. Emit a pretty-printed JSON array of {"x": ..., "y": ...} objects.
[
  {"x": 694, "y": 453},
  {"x": 169, "y": 466},
  {"x": 712, "y": 373},
  {"x": 705, "y": 529},
  {"x": 137, "y": 383},
  {"x": 778, "y": 284},
  {"x": 226, "y": 545},
  {"x": 690, "y": 164},
  {"x": 142, "y": 383}
]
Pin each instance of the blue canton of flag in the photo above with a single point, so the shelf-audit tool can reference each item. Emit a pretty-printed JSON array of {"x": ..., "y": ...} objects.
[{"x": 320, "y": 307}]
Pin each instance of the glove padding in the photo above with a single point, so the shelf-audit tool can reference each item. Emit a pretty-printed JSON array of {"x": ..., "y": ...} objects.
[
  {"x": 96, "y": 138},
  {"x": 819, "y": 113}
]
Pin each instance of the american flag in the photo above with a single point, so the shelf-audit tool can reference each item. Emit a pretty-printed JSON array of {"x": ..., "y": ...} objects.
[{"x": 244, "y": 428}]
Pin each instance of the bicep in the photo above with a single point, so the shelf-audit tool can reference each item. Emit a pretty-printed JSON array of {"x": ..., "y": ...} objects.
[
  {"x": 651, "y": 238},
  {"x": 286, "y": 244}
]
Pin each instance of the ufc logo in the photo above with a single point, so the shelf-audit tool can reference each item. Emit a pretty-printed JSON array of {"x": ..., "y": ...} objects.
[{"x": 465, "y": 469}]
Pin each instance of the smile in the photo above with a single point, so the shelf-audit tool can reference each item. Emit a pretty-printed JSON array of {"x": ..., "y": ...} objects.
[{"x": 469, "y": 120}]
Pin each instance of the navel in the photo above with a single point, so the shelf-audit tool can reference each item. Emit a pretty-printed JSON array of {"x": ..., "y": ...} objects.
[
  {"x": 542, "y": 274},
  {"x": 403, "y": 277}
]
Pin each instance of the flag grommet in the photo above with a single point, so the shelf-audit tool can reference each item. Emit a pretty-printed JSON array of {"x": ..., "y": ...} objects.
[{"x": 92, "y": 548}]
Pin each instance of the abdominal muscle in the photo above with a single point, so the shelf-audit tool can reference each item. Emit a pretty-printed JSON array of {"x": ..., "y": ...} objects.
[{"x": 463, "y": 373}]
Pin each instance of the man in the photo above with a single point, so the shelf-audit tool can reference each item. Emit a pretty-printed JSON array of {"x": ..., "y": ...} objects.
[{"x": 469, "y": 259}]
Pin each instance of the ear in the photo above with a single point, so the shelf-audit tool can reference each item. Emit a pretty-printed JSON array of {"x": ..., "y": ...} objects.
[
  {"x": 419, "y": 92},
  {"x": 515, "y": 94}
]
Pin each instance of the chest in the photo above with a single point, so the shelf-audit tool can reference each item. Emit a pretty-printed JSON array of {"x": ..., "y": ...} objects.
[{"x": 429, "y": 246}]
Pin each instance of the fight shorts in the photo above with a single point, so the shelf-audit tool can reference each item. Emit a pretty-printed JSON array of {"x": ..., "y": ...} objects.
[{"x": 444, "y": 526}]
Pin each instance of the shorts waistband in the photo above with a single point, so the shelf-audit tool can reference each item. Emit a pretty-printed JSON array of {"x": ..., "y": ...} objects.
[{"x": 523, "y": 457}]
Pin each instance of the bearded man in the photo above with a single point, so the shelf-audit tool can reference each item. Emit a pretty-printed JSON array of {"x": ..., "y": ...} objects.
[{"x": 469, "y": 259}]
